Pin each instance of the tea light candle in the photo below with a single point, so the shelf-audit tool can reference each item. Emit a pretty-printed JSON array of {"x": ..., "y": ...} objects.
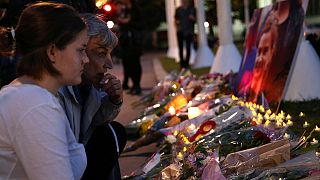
[
  {"x": 175, "y": 133},
  {"x": 180, "y": 156},
  {"x": 172, "y": 110},
  {"x": 267, "y": 123},
  {"x": 301, "y": 114},
  {"x": 314, "y": 141},
  {"x": 317, "y": 129},
  {"x": 184, "y": 149},
  {"x": 306, "y": 124},
  {"x": 288, "y": 116},
  {"x": 269, "y": 112},
  {"x": 286, "y": 136}
]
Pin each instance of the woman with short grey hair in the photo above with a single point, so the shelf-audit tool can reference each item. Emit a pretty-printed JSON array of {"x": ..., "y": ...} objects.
[{"x": 92, "y": 106}]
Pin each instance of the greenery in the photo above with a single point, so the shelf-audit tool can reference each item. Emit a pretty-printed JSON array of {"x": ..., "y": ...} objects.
[
  {"x": 169, "y": 64},
  {"x": 310, "y": 108}
]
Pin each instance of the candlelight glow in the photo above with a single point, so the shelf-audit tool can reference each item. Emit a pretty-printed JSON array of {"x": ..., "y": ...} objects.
[
  {"x": 266, "y": 116},
  {"x": 233, "y": 97},
  {"x": 278, "y": 123},
  {"x": 303, "y": 138},
  {"x": 286, "y": 136},
  {"x": 288, "y": 116},
  {"x": 172, "y": 110},
  {"x": 301, "y": 114},
  {"x": 314, "y": 141},
  {"x": 290, "y": 123},
  {"x": 179, "y": 156},
  {"x": 269, "y": 111},
  {"x": 317, "y": 129},
  {"x": 184, "y": 149},
  {"x": 254, "y": 113},
  {"x": 175, "y": 133},
  {"x": 306, "y": 124},
  {"x": 267, "y": 123},
  {"x": 174, "y": 86},
  {"x": 194, "y": 112}
]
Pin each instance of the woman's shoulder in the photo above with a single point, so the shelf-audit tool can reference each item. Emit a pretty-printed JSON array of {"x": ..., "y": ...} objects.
[{"x": 27, "y": 95}]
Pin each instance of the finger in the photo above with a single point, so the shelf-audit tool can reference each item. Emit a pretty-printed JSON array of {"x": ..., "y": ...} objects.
[
  {"x": 106, "y": 78},
  {"x": 112, "y": 85}
]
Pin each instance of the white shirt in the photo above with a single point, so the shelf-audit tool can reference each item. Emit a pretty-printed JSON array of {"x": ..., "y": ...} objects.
[{"x": 36, "y": 141}]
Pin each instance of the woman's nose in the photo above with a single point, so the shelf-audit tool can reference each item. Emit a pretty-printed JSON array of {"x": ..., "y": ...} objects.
[
  {"x": 108, "y": 63},
  {"x": 85, "y": 59}
]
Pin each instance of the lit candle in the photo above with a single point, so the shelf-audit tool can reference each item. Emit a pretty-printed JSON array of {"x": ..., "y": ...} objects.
[
  {"x": 267, "y": 123},
  {"x": 306, "y": 124},
  {"x": 174, "y": 86},
  {"x": 303, "y": 138},
  {"x": 266, "y": 116},
  {"x": 194, "y": 112},
  {"x": 185, "y": 149},
  {"x": 180, "y": 156},
  {"x": 314, "y": 141},
  {"x": 278, "y": 123},
  {"x": 286, "y": 136},
  {"x": 269, "y": 111},
  {"x": 254, "y": 113},
  {"x": 317, "y": 129},
  {"x": 172, "y": 110},
  {"x": 284, "y": 124},
  {"x": 175, "y": 133},
  {"x": 288, "y": 116},
  {"x": 290, "y": 123},
  {"x": 301, "y": 114}
]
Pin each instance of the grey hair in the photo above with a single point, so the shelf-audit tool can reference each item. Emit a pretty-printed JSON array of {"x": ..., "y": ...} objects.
[{"x": 99, "y": 28}]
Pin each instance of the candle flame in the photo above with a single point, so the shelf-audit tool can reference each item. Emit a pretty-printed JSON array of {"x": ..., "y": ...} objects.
[
  {"x": 172, "y": 110},
  {"x": 301, "y": 114}
]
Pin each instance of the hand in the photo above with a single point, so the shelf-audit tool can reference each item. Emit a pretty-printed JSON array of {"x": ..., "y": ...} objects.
[{"x": 112, "y": 86}]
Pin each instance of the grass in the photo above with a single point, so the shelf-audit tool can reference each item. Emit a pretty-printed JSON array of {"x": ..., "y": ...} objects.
[
  {"x": 310, "y": 108},
  {"x": 169, "y": 64}
]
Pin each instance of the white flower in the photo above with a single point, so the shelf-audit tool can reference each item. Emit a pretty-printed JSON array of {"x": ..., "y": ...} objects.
[{"x": 171, "y": 139}]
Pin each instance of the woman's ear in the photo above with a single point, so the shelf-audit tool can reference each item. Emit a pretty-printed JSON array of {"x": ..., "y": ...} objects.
[{"x": 52, "y": 53}]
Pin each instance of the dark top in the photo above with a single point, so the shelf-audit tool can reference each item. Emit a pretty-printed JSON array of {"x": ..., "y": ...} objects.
[{"x": 186, "y": 25}]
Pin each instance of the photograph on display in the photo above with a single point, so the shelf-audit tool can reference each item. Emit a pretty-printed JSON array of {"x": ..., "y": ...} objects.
[{"x": 266, "y": 63}]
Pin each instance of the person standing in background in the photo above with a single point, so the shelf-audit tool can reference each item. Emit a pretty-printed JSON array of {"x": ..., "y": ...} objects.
[
  {"x": 36, "y": 141},
  {"x": 131, "y": 26},
  {"x": 185, "y": 17}
]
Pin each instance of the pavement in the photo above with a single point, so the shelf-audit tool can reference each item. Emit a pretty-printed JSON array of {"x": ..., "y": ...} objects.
[{"x": 152, "y": 74}]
